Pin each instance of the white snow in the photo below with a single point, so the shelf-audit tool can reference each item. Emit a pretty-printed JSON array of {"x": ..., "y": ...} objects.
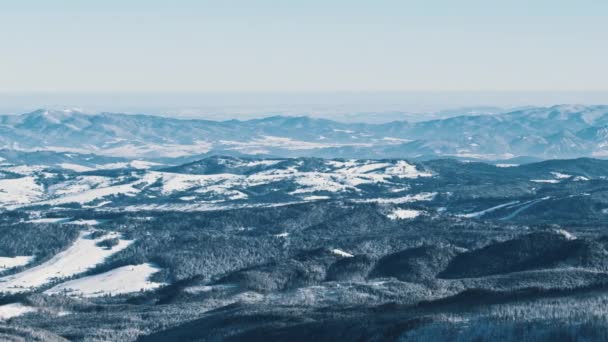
[
  {"x": 8, "y": 311},
  {"x": 337, "y": 176},
  {"x": 65, "y": 220},
  {"x": 341, "y": 164},
  {"x": 94, "y": 194},
  {"x": 81, "y": 256},
  {"x": 315, "y": 198},
  {"x": 423, "y": 196},
  {"x": 478, "y": 214},
  {"x": 49, "y": 220},
  {"x": 402, "y": 214},
  {"x": 25, "y": 170},
  {"x": 253, "y": 163},
  {"x": 126, "y": 279},
  {"x": 405, "y": 170},
  {"x": 7, "y": 263},
  {"x": 316, "y": 181},
  {"x": 566, "y": 234},
  {"x": 365, "y": 168},
  {"x": 20, "y": 190},
  {"x": 559, "y": 175},
  {"x": 85, "y": 222},
  {"x": 80, "y": 184},
  {"x": 135, "y": 164},
  {"x": 396, "y": 140},
  {"x": 341, "y": 253},
  {"x": 176, "y": 182}
]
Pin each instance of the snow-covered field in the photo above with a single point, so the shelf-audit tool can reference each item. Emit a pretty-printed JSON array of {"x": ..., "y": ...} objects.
[
  {"x": 13, "y": 310},
  {"x": 81, "y": 256},
  {"x": 330, "y": 176},
  {"x": 47, "y": 220},
  {"x": 88, "y": 196},
  {"x": 126, "y": 279},
  {"x": 341, "y": 253},
  {"x": 6, "y": 263},
  {"x": 403, "y": 214},
  {"x": 64, "y": 220},
  {"x": 20, "y": 191}
]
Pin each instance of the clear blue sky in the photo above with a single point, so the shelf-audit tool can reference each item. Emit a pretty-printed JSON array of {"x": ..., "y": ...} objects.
[{"x": 304, "y": 45}]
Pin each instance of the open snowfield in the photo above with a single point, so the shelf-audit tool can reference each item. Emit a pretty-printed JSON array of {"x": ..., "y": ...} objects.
[
  {"x": 13, "y": 310},
  {"x": 7, "y": 263},
  {"x": 341, "y": 253},
  {"x": 81, "y": 256},
  {"x": 126, "y": 279},
  {"x": 332, "y": 176},
  {"x": 20, "y": 190},
  {"x": 403, "y": 214},
  {"x": 49, "y": 220}
]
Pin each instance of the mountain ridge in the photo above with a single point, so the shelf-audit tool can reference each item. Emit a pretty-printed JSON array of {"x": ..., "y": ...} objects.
[{"x": 565, "y": 131}]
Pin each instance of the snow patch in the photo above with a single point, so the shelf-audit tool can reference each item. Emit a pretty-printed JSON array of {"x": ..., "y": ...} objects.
[
  {"x": 315, "y": 198},
  {"x": 396, "y": 140},
  {"x": 85, "y": 222},
  {"x": 559, "y": 175},
  {"x": 8, "y": 311},
  {"x": 423, "y": 196},
  {"x": 403, "y": 214},
  {"x": 550, "y": 181},
  {"x": 566, "y": 234},
  {"x": 121, "y": 280},
  {"x": 7, "y": 263},
  {"x": 402, "y": 169},
  {"x": 20, "y": 190},
  {"x": 81, "y": 256},
  {"x": 478, "y": 214},
  {"x": 342, "y": 253},
  {"x": 135, "y": 164},
  {"x": 49, "y": 220}
]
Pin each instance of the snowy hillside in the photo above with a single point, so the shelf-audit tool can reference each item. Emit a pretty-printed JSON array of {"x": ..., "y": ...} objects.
[{"x": 212, "y": 182}]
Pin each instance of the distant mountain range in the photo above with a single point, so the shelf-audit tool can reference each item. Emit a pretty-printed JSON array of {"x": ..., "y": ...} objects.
[{"x": 564, "y": 131}]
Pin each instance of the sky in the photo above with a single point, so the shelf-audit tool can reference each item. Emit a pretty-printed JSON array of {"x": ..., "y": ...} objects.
[{"x": 304, "y": 46}]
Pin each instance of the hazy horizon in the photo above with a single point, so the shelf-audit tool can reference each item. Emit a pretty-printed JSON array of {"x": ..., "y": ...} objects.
[{"x": 344, "y": 106}]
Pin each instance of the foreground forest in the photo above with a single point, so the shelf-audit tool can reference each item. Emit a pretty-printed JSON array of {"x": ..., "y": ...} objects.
[{"x": 461, "y": 251}]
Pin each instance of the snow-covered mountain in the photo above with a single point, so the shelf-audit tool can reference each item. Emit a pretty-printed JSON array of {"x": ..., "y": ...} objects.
[
  {"x": 553, "y": 132},
  {"x": 206, "y": 184},
  {"x": 223, "y": 182}
]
